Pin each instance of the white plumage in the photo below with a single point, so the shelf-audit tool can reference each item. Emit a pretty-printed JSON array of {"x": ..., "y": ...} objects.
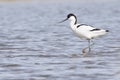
[
  {"x": 88, "y": 32},
  {"x": 83, "y": 30}
]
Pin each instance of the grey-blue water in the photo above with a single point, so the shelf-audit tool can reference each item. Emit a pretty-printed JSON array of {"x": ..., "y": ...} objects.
[{"x": 34, "y": 47}]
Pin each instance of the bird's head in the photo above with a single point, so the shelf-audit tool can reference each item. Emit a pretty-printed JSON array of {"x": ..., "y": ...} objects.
[{"x": 70, "y": 17}]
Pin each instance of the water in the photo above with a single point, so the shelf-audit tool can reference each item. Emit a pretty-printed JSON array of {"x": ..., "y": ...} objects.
[{"x": 34, "y": 47}]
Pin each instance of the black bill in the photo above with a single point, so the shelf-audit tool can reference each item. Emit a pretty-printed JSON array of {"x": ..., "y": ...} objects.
[{"x": 63, "y": 20}]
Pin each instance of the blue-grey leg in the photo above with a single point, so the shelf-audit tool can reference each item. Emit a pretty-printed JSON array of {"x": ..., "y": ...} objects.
[
  {"x": 89, "y": 44},
  {"x": 88, "y": 47}
]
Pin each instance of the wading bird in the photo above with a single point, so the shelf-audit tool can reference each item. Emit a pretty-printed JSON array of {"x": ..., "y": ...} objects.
[{"x": 84, "y": 31}]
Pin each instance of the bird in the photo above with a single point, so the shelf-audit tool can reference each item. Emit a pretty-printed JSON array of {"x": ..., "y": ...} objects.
[{"x": 84, "y": 31}]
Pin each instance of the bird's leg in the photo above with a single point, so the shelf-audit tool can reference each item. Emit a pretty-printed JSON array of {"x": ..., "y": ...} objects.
[
  {"x": 89, "y": 41},
  {"x": 92, "y": 42},
  {"x": 88, "y": 47}
]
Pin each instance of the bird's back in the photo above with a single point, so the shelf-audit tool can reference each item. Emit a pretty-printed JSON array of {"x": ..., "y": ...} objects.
[{"x": 88, "y": 32}]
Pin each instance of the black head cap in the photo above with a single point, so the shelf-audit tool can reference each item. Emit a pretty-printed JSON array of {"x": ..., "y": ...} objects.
[{"x": 69, "y": 15}]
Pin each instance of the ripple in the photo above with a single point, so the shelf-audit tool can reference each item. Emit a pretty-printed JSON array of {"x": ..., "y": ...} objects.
[{"x": 34, "y": 47}]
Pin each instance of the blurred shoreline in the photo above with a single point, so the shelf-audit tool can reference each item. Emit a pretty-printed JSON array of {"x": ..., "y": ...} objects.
[{"x": 56, "y": 0}]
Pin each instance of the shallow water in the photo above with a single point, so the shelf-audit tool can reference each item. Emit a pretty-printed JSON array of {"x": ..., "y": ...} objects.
[{"x": 34, "y": 47}]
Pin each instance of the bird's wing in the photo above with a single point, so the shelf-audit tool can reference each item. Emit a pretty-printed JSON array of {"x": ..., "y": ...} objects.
[
  {"x": 89, "y": 32},
  {"x": 85, "y": 27}
]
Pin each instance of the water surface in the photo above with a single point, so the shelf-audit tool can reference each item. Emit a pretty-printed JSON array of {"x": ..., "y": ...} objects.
[{"x": 34, "y": 47}]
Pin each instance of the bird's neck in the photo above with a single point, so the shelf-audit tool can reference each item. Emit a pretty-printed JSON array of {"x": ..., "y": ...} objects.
[
  {"x": 73, "y": 21},
  {"x": 73, "y": 24}
]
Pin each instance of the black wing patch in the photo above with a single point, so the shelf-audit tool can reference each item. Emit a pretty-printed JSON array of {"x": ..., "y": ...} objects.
[
  {"x": 81, "y": 25},
  {"x": 78, "y": 26},
  {"x": 95, "y": 29}
]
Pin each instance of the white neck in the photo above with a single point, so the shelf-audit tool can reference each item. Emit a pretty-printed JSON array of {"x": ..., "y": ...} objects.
[{"x": 73, "y": 21}]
